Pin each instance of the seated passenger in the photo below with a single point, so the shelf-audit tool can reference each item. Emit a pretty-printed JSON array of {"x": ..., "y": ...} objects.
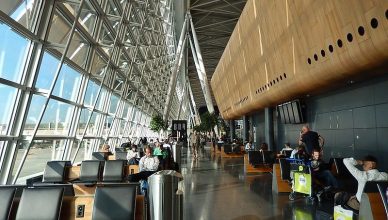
[
  {"x": 166, "y": 144},
  {"x": 249, "y": 146},
  {"x": 299, "y": 153},
  {"x": 162, "y": 154},
  {"x": 263, "y": 146},
  {"x": 286, "y": 148},
  {"x": 106, "y": 148},
  {"x": 133, "y": 156},
  {"x": 148, "y": 165},
  {"x": 320, "y": 171},
  {"x": 369, "y": 173}
]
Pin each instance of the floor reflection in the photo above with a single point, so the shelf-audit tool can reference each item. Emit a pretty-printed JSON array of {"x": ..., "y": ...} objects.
[{"x": 217, "y": 188}]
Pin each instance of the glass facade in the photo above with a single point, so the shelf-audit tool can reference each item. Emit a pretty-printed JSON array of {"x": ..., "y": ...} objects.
[{"x": 78, "y": 74}]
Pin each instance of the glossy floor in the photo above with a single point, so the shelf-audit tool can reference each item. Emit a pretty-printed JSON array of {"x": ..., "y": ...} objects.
[{"x": 217, "y": 188}]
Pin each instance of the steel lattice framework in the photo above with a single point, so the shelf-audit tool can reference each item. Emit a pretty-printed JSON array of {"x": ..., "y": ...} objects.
[{"x": 111, "y": 62}]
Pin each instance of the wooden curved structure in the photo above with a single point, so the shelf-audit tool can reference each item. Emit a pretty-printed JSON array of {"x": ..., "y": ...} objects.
[{"x": 284, "y": 49}]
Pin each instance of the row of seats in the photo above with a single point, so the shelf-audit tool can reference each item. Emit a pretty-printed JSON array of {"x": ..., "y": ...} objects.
[
  {"x": 257, "y": 158},
  {"x": 109, "y": 202},
  {"x": 232, "y": 148},
  {"x": 90, "y": 171}
]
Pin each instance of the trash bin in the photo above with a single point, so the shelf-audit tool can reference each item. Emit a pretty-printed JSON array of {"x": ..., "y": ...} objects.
[
  {"x": 177, "y": 148},
  {"x": 164, "y": 197}
]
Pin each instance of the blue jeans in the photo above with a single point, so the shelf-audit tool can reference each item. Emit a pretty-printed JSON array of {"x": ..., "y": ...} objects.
[{"x": 327, "y": 177}]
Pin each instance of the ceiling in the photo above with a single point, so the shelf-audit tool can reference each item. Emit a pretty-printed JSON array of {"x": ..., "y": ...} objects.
[{"x": 214, "y": 22}]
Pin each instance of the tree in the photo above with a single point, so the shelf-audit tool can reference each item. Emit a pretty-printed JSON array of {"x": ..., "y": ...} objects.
[
  {"x": 157, "y": 123},
  {"x": 208, "y": 121}
]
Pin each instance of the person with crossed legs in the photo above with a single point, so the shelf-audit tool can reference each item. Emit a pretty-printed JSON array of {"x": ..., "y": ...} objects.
[{"x": 148, "y": 165}]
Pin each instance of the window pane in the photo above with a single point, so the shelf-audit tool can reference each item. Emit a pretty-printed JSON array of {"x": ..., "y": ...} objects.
[
  {"x": 81, "y": 155},
  {"x": 106, "y": 40},
  {"x": 125, "y": 111},
  {"x": 13, "y": 53},
  {"x": 37, "y": 103},
  {"x": 8, "y": 96},
  {"x": 91, "y": 93},
  {"x": 78, "y": 49},
  {"x": 85, "y": 114},
  {"x": 92, "y": 126},
  {"x": 46, "y": 71},
  {"x": 88, "y": 17},
  {"x": 101, "y": 99},
  {"x": 3, "y": 145},
  {"x": 59, "y": 30},
  {"x": 21, "y": 149},
  {"x": 56, "y": 119},
  {"x": 41, "y": 151},
  {"x": 114, "y": 132},
  {"x": 122, "y": 127},
  {"x": 68, "y": 83},
  {"x": 22, "y": 11},
  {"x": 98, "y": 65},
  {"x": 107, "y": 125},
  {"x": 114, "y": 100}
]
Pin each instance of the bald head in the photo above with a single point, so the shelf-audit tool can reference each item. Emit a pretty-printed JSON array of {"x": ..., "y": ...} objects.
[{"x": 305, "y": 128}]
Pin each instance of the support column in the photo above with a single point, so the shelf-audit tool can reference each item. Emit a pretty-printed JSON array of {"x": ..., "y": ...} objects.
[
  {"x": 268, "y": 128},
  {"x": 183, "y": 99},
  {"x": 245, "y": 133},
  {"x": 201, "y": 71},
  {"x": 175, "y": 70},
  {"x": 232, "y": 126},
  {"x": 196, "y": 114}
]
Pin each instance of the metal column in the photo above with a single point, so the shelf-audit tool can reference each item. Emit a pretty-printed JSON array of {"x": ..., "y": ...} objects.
[
  {"x": 201, "y": 72},
  {"x": 268, "y": 128},
  {"x": 175, "y": 70}
]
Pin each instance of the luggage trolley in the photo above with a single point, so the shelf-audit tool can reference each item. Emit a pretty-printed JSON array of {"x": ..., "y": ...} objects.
[{"x": 301, "y": 179}]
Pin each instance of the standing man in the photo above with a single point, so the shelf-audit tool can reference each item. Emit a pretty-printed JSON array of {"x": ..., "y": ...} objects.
[{"x": 311, "y": 139}]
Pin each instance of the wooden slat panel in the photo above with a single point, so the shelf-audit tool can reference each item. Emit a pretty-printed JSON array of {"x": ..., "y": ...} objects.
[{"x": 276, "y": 37}]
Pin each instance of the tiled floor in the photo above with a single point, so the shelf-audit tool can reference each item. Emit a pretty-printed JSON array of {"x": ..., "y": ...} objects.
[{"x": 216, "y": 188}]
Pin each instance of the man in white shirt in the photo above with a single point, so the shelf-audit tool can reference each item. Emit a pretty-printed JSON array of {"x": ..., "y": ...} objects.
[
  {"x": 249, "y": 146},
  {"x": 369, "y": 173},
  {"x": 133, "y": 156},
  {"x": 148, "y": 165}
]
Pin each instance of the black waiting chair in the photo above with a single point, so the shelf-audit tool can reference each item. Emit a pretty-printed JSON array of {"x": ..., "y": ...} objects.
[
  {"x": 344, "y": 176},
  {"x": 287, "y": 153},
  {"x": 113, "y": 171},
  {"x": 40, "y": 203},
  {"x": 255, "y": 158},
  {"x": 90, "y": 171},
  {"x": 285, "y": 169},
  {"x": 6, "y": 199},
  {"x": 236, "y": 148},
  {"x": 228, "y": 148},
  {"x": 268, "y": 157},
  {"x": 54, "y": 176},
  {"x": 121, "y": 155},
  {"x": 55, "y": 171},
  {"x": 119, "y": 198},
  {"x": 100, "y": 156}
]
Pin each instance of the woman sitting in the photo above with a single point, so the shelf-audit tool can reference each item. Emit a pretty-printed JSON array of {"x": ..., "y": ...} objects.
[{"x": 133, "y": 156}]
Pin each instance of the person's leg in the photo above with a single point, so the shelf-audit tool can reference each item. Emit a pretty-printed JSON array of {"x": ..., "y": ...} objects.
[
  {"x": 143, "y": 175},
  {"x": 134, "y": 177},
  {"x": 353, "y": 203},
  {"x": 329, "y": 179}
]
